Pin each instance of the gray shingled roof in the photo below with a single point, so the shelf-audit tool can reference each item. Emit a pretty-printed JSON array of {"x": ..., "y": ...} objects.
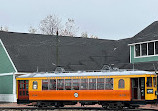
[
  {"x": 29, "y": 51},
  {"x": 147, "y": 34}
]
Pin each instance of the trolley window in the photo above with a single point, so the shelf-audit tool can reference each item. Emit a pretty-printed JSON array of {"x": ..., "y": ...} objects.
[
  {"x": 67, "y": 84},
  {"x": 108, "y": 83},
  {"x": 92, "y": 84},
  {"x": 60, "y": 85},
  {"x": 44, "y": 84},
  {"x": 20, "y": 93},
  {"x": 23, "y": 93},
  {"x": 22, "y": 84},
  {"x": 27, "y": 93},
  {"x": 35, "y": 85},
  {"x": 149, "y": 81},
  {"x": 154, "y": 81},
  {"x": 100, "y": 84},
  {"x": 75, "y": 85},
  {"x": 121, "y": 83},
  {"x": 26, "y": 84},
  {"x": 84, "y": 84},
  {"x": 52, "y": 84}
]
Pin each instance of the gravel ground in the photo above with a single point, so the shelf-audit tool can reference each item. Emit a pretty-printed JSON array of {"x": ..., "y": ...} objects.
[
  {"x": 21, "y": 105},
  {"x": 12, "y": 105},
  {"x": 148, "y": 106}
]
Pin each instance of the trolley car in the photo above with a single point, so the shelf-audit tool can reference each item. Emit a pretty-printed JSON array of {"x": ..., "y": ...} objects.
[{"x": 109, "y": 89}]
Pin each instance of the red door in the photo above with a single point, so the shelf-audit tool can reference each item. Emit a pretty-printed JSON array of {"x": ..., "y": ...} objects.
[{"x": 23, "y": 90}]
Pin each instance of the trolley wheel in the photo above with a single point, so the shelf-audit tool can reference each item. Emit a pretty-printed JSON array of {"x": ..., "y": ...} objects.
[
  {"x": 104, "y": 106},
  {"x": 56, "y": 106}
]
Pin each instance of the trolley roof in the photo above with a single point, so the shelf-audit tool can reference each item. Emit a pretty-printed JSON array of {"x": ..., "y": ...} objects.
[{"x": 79, "y": 73}]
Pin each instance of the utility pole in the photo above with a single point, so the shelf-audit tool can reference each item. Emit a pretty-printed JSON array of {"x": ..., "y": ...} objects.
[{"x": 57, "y": 49}]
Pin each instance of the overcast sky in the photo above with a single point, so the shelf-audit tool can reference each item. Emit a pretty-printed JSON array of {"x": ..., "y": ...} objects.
[{"x": 107, "y": 19}]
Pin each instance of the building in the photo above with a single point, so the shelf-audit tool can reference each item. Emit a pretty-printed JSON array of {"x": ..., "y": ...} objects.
[
  {"x": 7, "y": 76},
  {"x": 144, "y": 47},
  {"x": 22, "y": 53}
]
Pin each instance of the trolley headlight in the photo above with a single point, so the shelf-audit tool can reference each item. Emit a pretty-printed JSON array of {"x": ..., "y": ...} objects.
[
  {"x": 35, "y": 86},
  {"x": 149, "y": 91}
]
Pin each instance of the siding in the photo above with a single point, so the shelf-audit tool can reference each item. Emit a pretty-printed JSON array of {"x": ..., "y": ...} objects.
[
  {"x": 141, "y": 59},
  {"x": 6, "y": 84},
  {"x": 5, "y": 64}
]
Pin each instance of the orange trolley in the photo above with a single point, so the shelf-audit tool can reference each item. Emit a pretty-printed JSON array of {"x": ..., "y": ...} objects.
[{"x": 109, "y": 89}]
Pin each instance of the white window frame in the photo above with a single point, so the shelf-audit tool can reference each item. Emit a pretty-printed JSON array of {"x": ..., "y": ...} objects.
[{"x": 147, "y": 49}]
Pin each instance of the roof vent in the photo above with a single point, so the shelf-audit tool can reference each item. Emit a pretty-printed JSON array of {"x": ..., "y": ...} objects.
[
  {"x": 106, "y": 68},
  {"x": 59, "y": 70}
]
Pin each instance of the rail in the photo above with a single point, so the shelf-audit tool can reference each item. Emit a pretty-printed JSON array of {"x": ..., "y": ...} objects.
[{"x": 66, "y": 108}]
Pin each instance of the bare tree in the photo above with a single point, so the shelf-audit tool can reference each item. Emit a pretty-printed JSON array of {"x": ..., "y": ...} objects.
[
  {"x": 84, "y": 34},
  {"x": 50, "y": 25},
  {"x": 70, "y": 28},
  {"x": 32, "y": 30},
  {"x": 94, "y": 37}
]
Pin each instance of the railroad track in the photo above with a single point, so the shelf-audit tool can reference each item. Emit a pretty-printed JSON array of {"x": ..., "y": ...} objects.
[{"x": 66, "y": 108}]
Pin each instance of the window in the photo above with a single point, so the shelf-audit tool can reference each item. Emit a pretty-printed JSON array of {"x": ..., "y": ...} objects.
[
  {"x": 27, "y": 93},
  {"x": 121, "y": 83},
  {"x": 23, "y": 93},
  {"x": 100, "y": 83},
  {"x": 67, "y": 84},
  {"x": 108, "y": 83},
  {"x": 52, "y": 84},
  {"x": 134, "y": 83},
  {"x": 156, "y": 47},
  {"x": 20, "y": 93},
  {"x": 60, "y": 84},
  {"x": 137, "y": 49},
  {"x": 75, "y": 85},
  {"x": 144, "y": 49},
  {"x": 27, "y": 84},
  {"x": 22, "y": 84},
  {"x": 44, "y": 84},
  {"x": 142, "y": 80},
  {"x": 149, "y": 81},
  {"x": 154, "y": 81},
  {"x": 35, "y": 85},
  {"x": 151, "y": 48},
  {"x": 84, "y": 84},
  {"x": 92, "y": 84}
]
